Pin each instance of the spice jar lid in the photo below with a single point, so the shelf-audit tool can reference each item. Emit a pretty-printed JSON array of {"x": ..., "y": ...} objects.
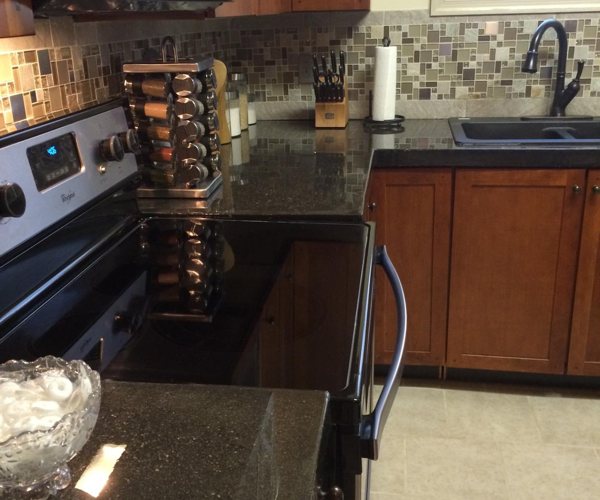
[
  {"x": 232, "y": 95},
  {"x": 184, "y": 85},
  {"x": 186, "y": 108}
]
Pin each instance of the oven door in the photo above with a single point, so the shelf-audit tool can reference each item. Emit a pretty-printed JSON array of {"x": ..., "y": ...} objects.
[{"x": 79, "y": 292}]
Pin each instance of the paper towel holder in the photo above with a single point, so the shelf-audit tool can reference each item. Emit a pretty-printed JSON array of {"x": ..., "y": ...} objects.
[{"x": 382, "y": 127}]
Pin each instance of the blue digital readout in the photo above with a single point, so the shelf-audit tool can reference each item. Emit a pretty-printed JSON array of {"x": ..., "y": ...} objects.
[{"x": 52, "y": 151}]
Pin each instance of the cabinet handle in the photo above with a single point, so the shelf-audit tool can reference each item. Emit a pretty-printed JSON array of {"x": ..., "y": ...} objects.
[
  {"x": 372, "y": 205},
  {"x": 596, "y": 189},
  {"x": 576, "y": 188}
]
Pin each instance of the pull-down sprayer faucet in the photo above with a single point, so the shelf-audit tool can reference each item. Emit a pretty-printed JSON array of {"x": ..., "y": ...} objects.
[{"x": 562, "y": 96}]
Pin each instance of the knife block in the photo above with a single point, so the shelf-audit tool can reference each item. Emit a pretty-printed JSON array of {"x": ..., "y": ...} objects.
[{"x": 332, "y": 114}]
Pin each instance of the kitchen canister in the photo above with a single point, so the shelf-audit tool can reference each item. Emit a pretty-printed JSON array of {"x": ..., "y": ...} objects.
[
  {"x": 233, "y": 112},
  {"x": 238, "y": 81},
  {"x": 384, "y": 87},
  {"x": 251, "y": 109}
]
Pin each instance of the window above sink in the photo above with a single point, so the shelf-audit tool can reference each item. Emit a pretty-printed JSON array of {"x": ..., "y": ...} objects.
[{"x": 468, "y": 7}]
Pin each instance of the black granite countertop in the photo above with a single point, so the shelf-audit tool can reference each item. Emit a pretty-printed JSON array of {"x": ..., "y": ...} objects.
[
  {"x": 290, "y": 170},
  {"x": 197, "y": 441}
]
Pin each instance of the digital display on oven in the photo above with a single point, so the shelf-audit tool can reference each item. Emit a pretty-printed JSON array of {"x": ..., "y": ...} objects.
[{"x": 54, "y": 160}]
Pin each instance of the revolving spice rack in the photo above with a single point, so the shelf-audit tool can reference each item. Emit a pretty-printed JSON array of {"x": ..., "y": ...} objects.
[{"x": 173, "y": 105}]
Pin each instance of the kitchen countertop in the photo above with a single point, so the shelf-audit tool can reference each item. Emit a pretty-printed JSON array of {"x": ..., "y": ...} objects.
[
  {"x": 290, "y": 170},
  {"x": 197, "y": 441}
]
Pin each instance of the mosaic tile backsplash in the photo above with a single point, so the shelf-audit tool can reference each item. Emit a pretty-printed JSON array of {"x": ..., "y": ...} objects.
[{"x": 446, "y": 66}]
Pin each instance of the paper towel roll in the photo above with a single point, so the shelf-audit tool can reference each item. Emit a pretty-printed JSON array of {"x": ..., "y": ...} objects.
[{"x": 384, "y": 89}]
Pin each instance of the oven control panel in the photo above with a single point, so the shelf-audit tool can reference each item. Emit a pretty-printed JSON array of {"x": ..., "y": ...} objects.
[
  {"x": 50, "y": 171},
  {"x": 54, "y": 160}
]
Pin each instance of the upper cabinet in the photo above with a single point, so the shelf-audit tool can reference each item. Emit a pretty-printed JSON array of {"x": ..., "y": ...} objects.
[
  {"x": 16, "y": 18},
  {"x": 305, "y": 5},
  {"x": 264, "y": 7}
]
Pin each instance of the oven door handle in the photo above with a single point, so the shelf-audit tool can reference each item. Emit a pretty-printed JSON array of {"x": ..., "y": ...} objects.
[{"x": 372, "y": 425}]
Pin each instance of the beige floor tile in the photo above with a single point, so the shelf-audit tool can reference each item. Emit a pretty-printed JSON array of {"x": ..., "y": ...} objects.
[
  {"x": 488, "y": 416},
  {"x": 386, "y": 496},
  {"x": 568, "y": 420},
  {"x": 454, "y": 468},
  {"x": 420, "y": 411},
  {"x": 388, "y": 473},
  {"x": 551, "y": 472}
]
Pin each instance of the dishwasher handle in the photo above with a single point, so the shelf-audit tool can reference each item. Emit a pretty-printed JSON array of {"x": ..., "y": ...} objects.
[{"x": 372, "y": 425}]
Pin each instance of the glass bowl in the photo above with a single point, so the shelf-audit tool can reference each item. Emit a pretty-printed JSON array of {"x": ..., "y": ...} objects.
[{"x": 48, "y": 409}]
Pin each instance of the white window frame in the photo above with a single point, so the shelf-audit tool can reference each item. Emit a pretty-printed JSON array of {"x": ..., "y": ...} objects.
[{"x": 481, "y": 7}]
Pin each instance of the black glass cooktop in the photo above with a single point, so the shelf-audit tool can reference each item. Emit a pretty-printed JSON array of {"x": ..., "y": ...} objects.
[{"x": 274, "y": 304}]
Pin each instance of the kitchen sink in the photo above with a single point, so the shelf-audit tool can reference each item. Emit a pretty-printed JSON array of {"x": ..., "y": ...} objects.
[{"x": 549, "y": 131}]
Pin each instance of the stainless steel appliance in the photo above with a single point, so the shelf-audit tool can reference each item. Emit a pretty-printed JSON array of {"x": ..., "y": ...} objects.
[{"x": 164, "y": 298}]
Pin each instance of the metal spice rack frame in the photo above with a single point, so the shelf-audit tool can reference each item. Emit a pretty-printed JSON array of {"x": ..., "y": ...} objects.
[{"x": 178, "y": 174}]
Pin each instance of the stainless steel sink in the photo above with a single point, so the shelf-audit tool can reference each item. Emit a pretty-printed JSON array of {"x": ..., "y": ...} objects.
[{"x": 523, "y": 131}]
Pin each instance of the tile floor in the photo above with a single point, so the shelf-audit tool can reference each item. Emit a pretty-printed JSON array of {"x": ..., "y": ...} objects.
[{"x": 453, "y": 441}]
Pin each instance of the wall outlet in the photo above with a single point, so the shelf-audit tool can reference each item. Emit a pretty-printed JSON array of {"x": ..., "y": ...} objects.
[{"x": 305, "y": 65}]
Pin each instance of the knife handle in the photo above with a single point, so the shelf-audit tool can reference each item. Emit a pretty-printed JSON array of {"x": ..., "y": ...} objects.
[
  {"x": 333, "y": 61},
  {"x": 324, "y": 64}
]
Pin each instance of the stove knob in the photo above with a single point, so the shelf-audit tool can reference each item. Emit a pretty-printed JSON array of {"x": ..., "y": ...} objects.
[
  {"x": 12, "y": 200},
  {"x": 130, "y": 141},
  {"x": 111, "y": 149}
]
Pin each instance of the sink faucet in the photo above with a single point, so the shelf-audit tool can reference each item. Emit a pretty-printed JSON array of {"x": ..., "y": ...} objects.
[{"x": 562, "y": 96}]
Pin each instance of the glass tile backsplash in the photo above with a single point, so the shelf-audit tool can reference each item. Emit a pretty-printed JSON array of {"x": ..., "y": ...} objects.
[{"x": 446, "y": 66}]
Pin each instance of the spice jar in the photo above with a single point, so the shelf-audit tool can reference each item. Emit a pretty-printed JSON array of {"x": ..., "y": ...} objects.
[
  {"x": 153, "y": 86},
  {"x": 233, "y": 112},
  {"x": 187, "y": 108},
  {"x": 239, "y": 82},
  {"x": 153, "y": 109},
  {"x": 251, "y": 109},
  {"x": 185, "y": 85}
]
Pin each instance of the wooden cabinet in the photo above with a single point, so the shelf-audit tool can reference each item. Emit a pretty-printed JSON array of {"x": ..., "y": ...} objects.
[
  {"x": 584, "y": 352},
  {"x": 16, "y": 18},
  {"x": 253, "y": 7},
  {"x": 319, "y": 5},
  {"x": 264, "y": 7},
  {"x": 412, "y": 212},
  {"x": 514, "y": 256}
]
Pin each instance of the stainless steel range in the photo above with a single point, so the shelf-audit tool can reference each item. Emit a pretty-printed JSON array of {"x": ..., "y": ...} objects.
[
  {"x": 51, "y": 173},
  {"x": 148, "y": 296}
]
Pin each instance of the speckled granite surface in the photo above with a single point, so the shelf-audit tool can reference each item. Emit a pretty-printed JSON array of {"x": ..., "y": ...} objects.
[
  {"x": 197, "y": 441},
  {"x": 289, "y": 169}
]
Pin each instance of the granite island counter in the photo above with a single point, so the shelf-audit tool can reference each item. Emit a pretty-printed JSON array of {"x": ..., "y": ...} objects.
[{"x": 198, "y": 441}]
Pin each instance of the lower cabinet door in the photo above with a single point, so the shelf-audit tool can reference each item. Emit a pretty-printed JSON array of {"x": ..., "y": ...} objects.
[
  {"x": 514, "y": 255},
  {"x": 584, "y": 352},
  {"x": 412, "y": 212}
]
